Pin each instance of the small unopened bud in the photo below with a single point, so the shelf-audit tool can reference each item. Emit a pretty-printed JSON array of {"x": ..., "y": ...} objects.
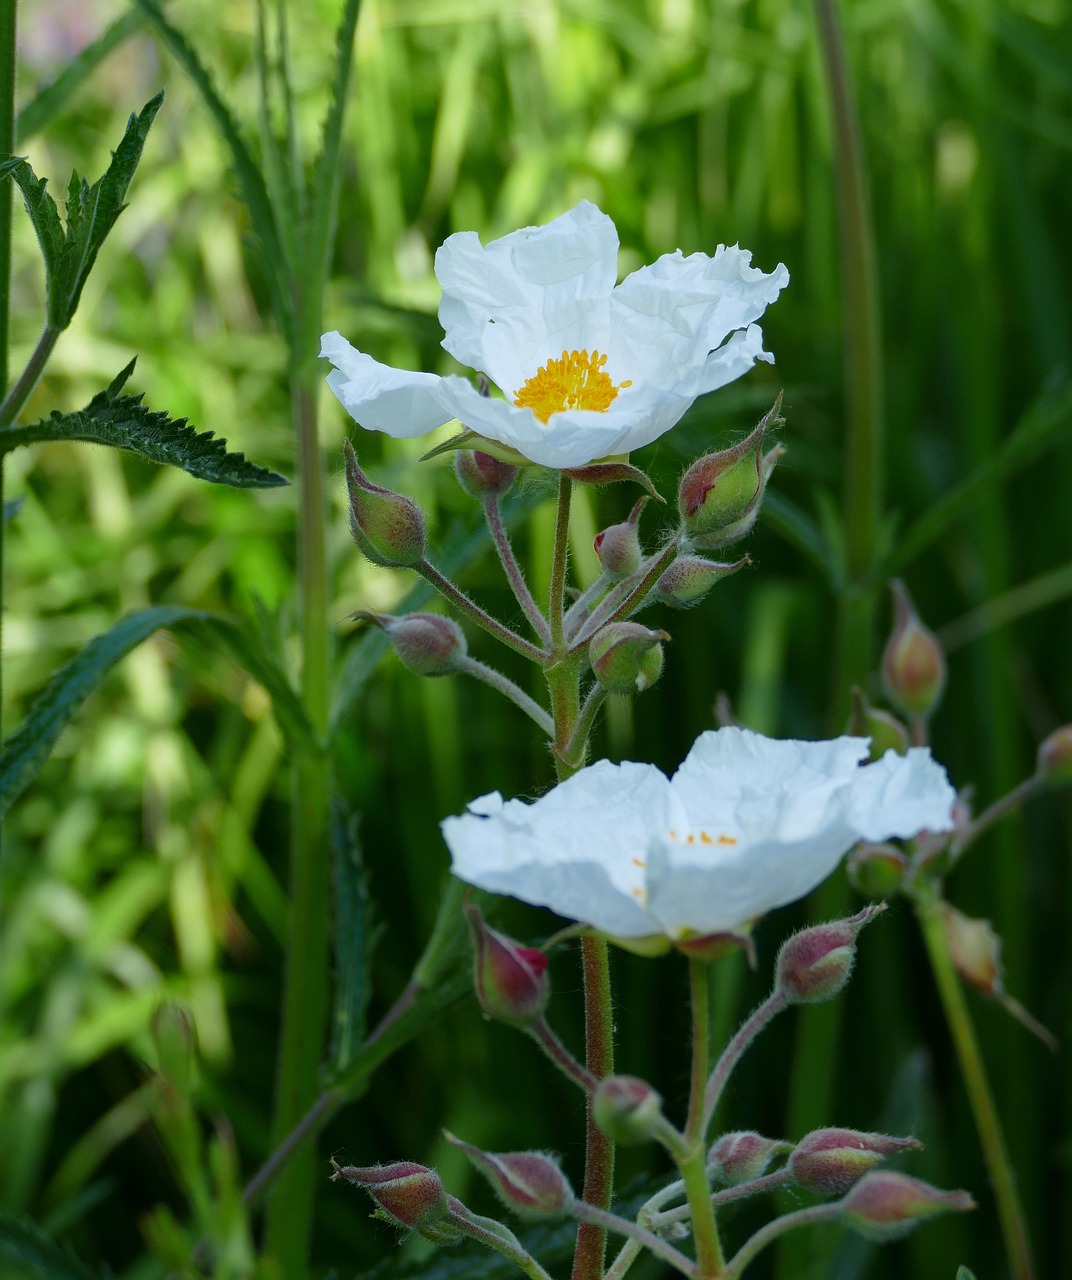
[
  {"x": 832, "y": 1160},
  {"x": 626, "y": 657},
  {"x": 510, "y": 980},
  {"x": 815, "y": 964},
  {"x": 407, "y": 1194},
  {"x": 1055, "y": 756},
  {"x": 974, "y": 948},
  {"x": 528, "y": 1182},
  {"x": 689, "y": 579},
  {"x": 876, "y": 870},
  {"x": 742, "y": 1156},
  {"x": 387, "y": 527},
  {"x": 427, "y": 643},
  {"x": 913, "y": 664},
  {"x": 628, "y": 1110},
  {"x": 481, "y": 475},
  {"x": 618, "y": 546},
  {"x": 884, "y": 1205},
  {"x": 886, "y": 732}
]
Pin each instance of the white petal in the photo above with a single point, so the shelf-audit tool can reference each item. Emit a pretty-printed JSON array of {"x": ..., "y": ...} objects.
[
  {"x": 396, "y": 401},
  {"x": 510, "y": 305},
  {"x": 901, "y": 796}
]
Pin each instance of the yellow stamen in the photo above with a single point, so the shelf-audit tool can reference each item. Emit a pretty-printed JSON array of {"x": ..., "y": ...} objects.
[{"x": 575, "y": 381}]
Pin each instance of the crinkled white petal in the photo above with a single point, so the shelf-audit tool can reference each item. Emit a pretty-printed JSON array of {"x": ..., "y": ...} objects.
[
  {"x": 901, "y": 796},
  {"x": 380, "y": 398}
]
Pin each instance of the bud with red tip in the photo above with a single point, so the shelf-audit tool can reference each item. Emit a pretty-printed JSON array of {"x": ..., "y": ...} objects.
[
  {"x": 913, "y": 665},
  {"x": 511, "y": 980},
  {"x": 884, "y": 1205},
  {"x": 886, "y": 732},
  {"x": 388, "y": 527},
  {"x": 481, "y": 475},
  {"x": 1055, "y": 756},
  {"x": 406, "y": 1194},
  {"x": 426, "y": 643},
  {"x": 686, "y": 581},
  {"x": 815, "y": 964},
  {"x": 742, "y": 1156},
  {"x": 627, "y": 1109},
  {"x": 528, "y": 1182},
  {"x": 618, "y": 546},
  {"x": 876, "y": 870},
  {"x": 626, "y": 657},
  {"x": 832, "y": 1160}
]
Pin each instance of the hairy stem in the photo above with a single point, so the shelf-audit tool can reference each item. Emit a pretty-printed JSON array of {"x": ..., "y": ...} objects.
[
  {"x": 561, "y": 1056},
  {"x": 504, "y": 685},
  {"x": 520, "y": 588},
  {"x": 1008, "y": 803},
  {"x": 734, "y": 1051},
  {"x": 778, "y": 1227},
  {"x": 24, "y": 385},
  {"x": 710, "y": 1262},
  {"x": 499, "y": 630},
  {"x": 661, "y": 1248}
]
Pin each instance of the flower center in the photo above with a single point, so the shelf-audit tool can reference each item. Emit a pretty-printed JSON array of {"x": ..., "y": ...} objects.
[{"x": 574, "y": 381}]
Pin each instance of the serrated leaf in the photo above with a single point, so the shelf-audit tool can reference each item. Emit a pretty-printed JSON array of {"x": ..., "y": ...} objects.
[
  {"x": 26, "y": 1252},
  {"x": 27, "y": 749},
  {"x": 43, "y": 214},
  {"x": 356, "y": 935},
  {"x": 124, "y": 422}
]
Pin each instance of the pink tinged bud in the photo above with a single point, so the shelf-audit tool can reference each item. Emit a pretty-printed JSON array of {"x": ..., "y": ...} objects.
[
  {"x": 876, "y": 870},
  {"x": 481, "y": 475},
  {"x": 528, "y": 1182},
  {"x": 717, "y": 946},
  {"x": 618, "y": 546},
  {"x": 886, "y": 732},
  {"x": 832, "y": 1160},
  {"x": 511, "y": 980},
  {"x": 689, "y": 579},
  {"x": 406, "y": 1194},
  {"x": 426, "y": 643},
  {"x": 974, "y": 948},
  {"x": 626, "y": 657},
  {"x": 628, "y": 1110},
  {"x": 1055, "y": 756},
  {"x": 387, "y": 527},
  {"x": 742, "y": 1157},
  {"x": 913, "y": 665},
  {"x": 815, "y": 964},
  {"x": 612, "y": 473},
  {"x": 884, "y": 1205}
]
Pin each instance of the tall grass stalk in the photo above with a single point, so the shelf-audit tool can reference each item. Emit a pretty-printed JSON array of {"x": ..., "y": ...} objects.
[{"x": 7, "y": 145}]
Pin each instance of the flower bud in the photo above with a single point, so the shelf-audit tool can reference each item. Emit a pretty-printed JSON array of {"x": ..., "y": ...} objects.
[
  {"x": 528, "y": 1182},
  {"x": 406, "y": 1194},
  {"x": 886, "y": 732},
  {"x": 612, "y": 473},
  {"x": 481, "y": 475},
  {"x": 913, "y": 665},
  {"x": 510, "y": 980},
  {"x": 626, "y": 657},
  {"x": 876, "y": 870},
  {"x": 884, "y": 1205},
  {"x": 387, "y": 527},
  {"x": 686, "y": 581},
  {"x": 742, "y": 1156},
  {"x": 1055, "y": 756},
  {"x": 426, "y": 643},
  {"x": 832, "y": 1160},
  {"x": 974, "y": 948},
  {"x": 815, "y": 964},
  {"x": 618, "y": 546},
  {"x": 628, "y": 1110}
]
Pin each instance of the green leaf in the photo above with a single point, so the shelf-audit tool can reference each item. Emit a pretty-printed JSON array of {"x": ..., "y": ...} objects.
[
  {"x": 26, "y": 1253},
  {"x": 27, "y": 749},
  {"x": 356, "y": 936},
  {"x": 801, "y": 530},
  {"x": 43, "y": 214},
  {"x": 964, "y": 1274},
  {"x": 123, "y": 422}
]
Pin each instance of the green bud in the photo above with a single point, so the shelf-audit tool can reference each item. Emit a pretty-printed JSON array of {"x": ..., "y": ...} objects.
[
  {"x": 618, "y": 546},
  {"x": 626, "y": 657},
  {"x": 886, "y": 732},
  {"x": 387, "y": 527},
  {"x": 913, "y": 664},
  {"x": 628, "y": 1110},
  {"x": 1055, "y": 756},
  {"x": 876, "y": 870},
  {"x": 481, "y": 475},
  {"x": 686, "y": 581},
  {"x": 427, "y": 643}
]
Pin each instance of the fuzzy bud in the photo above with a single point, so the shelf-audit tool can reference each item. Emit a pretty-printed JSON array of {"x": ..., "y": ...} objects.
[
  {"x": 626, "y": 657},
  {"x": 406, "y": 1194},
  {"x": 830, "y": 1161},
  {"x": 974, "y": 948},
  {"x": 886, "y": 732},
  {"x": 481, "y": 475},
  {"x": 884, "y": 1205},
  {"x": 876, "y": 870},
  {"x": 742, "y": 1157},
  {"x": 815, "y": 964},
  {"x": 528, "y": 1182},
  {"x": 387, "y": 527},
  {"x": 510, "y": 980},
  {"x": 913, "y": 664},
  {"x": 618, "y": 546},
  {"x": 686, "y": 581},
  {"x": 426, "y": 643},
  {"x": 1055, "y": 756},
  {"x": 628, "y": 1110}
]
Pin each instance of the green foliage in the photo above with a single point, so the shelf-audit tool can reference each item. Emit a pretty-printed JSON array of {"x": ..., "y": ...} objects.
[
  {"x": 356, "y": 934},
  {"x": 28, "y": 1254}
]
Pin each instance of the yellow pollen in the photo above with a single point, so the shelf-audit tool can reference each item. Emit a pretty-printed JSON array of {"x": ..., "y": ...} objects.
[
  {"x": 705, "y": 838},
  {"x": 673, "y": 834},
  {"x": 575, "y": 381},
  {"x": 639, "y": 862},
  {"x": 690, "y": 838},
  {"x": 727, "y": 839}
]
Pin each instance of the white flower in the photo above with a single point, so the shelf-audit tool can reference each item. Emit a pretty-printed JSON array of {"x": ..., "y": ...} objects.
[
  {"x": 589, "y": 370},
  {"x": 746, "y": 824}
]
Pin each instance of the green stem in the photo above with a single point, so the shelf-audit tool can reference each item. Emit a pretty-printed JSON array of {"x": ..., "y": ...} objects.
[
  {"x": 7, "y": 146},
  {"x": 577, "y": 748},
  {"x": 504, "y": 685},
  {"x": 987, "y": 1123},
  {"x": 742, "y": 1191},
  {"x": 516, "y": 578},
  {"x": 733, "y": 1052},
  {"x": 28, "y": 379},
  {"x": 710, "y": 1262},
  {"x": 491, "y": 1234},
  {"x": 607, "y": 1221},
  {"x": 483, "y": 619},
  {"x": 700, "y": 1001},
  {"x": 778, "y": 1227},
  {"x": 693, "y": 1169},
  {"x": 999, "y": 809},
  {"x": 627, "y": 596},
  {"x": 561, "y": 1056},
  {"x": 557, "y": 607}
]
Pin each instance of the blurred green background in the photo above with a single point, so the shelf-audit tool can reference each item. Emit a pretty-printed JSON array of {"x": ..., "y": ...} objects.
[{"x": 149, "y": 860}]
